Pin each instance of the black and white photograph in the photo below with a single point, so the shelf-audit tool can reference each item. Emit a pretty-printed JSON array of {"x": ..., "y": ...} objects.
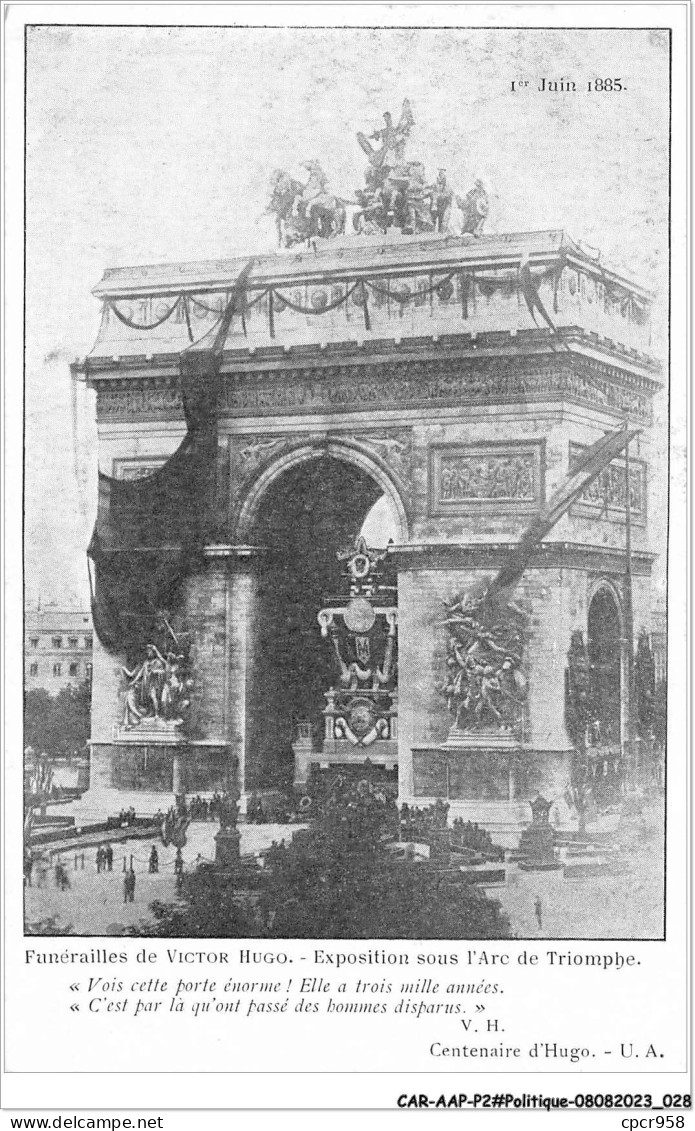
[
  {"x": 345, "y": 552},
  {"x": 352, "y": 455}
]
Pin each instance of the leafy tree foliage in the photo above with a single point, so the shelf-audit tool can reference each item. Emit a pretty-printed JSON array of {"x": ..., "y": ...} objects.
[
  {"x": 337, "y": 879},
  {"x": 659, "y": 719},
  {"x": 54, "y": 724}
]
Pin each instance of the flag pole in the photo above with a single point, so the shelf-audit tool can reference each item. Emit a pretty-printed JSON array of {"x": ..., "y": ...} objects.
[{"x": 629, "y": 621}]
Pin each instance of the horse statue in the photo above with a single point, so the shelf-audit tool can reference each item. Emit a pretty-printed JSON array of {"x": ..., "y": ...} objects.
[
  {"x": 324, "y": 212},
  {"x": 305, "y": 211},
  {"x": 284, "y": 191}
]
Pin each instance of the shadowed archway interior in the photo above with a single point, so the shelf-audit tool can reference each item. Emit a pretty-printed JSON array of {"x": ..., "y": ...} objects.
[
  {"x": 307, "y": 515},
  {"x": 604, "y": 641}
]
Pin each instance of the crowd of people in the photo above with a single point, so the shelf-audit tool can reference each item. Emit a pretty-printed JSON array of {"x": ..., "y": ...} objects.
[
  {"x": 201, "y": 809},
  {"x": 419, "y": 824},
  {"x": 124, "y": 819},
  {"x": 39, "y": 866},
  {"x": 468, "y": 834},
  {"x": 194, "y": 809}
]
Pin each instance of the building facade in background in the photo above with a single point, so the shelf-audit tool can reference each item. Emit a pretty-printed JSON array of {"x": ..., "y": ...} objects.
[{"x": 58, "y": 648}]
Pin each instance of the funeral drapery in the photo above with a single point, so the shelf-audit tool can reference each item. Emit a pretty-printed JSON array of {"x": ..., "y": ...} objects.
[
  {"x": 590, "y": 465},
  {"x": 148, "y": 531}
]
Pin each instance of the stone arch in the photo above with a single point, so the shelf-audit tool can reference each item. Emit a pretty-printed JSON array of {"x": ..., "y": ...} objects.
[
  {"x": 342, "y": 450},
  {"x": 606, "y": 585},
  {"x": 605, "y": 644}
]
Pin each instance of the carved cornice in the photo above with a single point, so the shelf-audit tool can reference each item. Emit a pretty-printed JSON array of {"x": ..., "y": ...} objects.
[
  {"x": 467, "y": 346},
  {"x": 491, "y": 556},
  {"x": 393, "y": 384}
]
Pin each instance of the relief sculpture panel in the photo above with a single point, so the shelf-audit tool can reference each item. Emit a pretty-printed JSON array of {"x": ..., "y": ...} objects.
[
  {"x": 394, "y": 447},
  {"x": 465, "y": 476},
  {"x": 341, "y": 387},
  {"x": 247, "y": 455},
  {"x": 607, "y": 493}
]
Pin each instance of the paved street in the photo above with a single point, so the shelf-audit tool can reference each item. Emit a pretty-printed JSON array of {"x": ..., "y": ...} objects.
[
  {"x": 94, "y": 903},
  {"x": 608, "y": 907},
  {"x": 603, "y": 906}
]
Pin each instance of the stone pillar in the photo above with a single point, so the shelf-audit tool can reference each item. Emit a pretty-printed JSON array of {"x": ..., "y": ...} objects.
[
  {"x": 512, "y": 780},
  {"x": 221, "y": 612},
  {"x": 546, "y": 591},
  {"x": 107, "y": 709},
  {"x": 178, "y": 777},
  {"x": 108, "y": 685},
  {"x": 206, "y": 618},
  {"x": 242, "y": 624},
  {"x": 100, "y": 768},
  {"x": 546, "y": 754},
  {"x": 423, "y": 720},
  {"x": 430, "y": 765}
]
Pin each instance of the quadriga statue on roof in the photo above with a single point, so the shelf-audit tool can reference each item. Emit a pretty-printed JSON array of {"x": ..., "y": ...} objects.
[
  {"x": 396, "y": 194},
  {"x": 305, "y": 211}
]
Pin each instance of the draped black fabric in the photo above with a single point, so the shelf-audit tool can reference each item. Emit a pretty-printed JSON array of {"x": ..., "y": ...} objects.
[
  {"x": 149, "y": 531},
  {"x": 588, "y": 467}
]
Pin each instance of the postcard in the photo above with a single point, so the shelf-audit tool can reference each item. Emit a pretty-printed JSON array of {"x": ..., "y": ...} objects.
[{"x": 345, "y": 496}]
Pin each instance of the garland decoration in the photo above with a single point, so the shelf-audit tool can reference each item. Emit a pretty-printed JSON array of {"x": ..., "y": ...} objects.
[
  {"x": 310, "y": 309},
  {"x": 111, "y": 305},
  {"x": 523, "y": 279},
  {"x": 404, "y": 297}
]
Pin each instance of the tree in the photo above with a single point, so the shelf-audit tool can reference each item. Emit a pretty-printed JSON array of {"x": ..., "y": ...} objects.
[
  {"x": 335, "y": 880},
  {"x": 645, "y": 686},
  {"x": 53, "y": 724},
  {"x": 660, "y": 715},
  {"x": 38, "y": 720}
]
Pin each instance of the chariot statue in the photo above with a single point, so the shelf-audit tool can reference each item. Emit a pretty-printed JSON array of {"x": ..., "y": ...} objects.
[
  {"x": 396, "y": 194},
  {"x": 305, "y": 211}
]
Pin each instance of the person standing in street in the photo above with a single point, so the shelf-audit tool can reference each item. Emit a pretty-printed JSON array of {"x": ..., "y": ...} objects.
[
  {"x": 178, "y": 869},
  {"x": 129, "y": 886}
]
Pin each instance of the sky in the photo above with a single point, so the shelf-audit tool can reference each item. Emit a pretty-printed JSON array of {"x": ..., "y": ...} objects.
[{"x": 148, "y": 145}]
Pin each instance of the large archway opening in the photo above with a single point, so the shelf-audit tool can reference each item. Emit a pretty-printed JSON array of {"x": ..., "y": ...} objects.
[
  {"x": 605, "y": 656},
  {"x": 306, "y": 515}
]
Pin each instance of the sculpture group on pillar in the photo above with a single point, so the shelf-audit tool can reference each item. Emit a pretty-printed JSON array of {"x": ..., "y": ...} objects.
[
  {"x": 363, "y": 708},
  {"x": 397, "y": 194},
  {"x": 485, "y": 687},
  {"x": 159, "y": 687}
]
